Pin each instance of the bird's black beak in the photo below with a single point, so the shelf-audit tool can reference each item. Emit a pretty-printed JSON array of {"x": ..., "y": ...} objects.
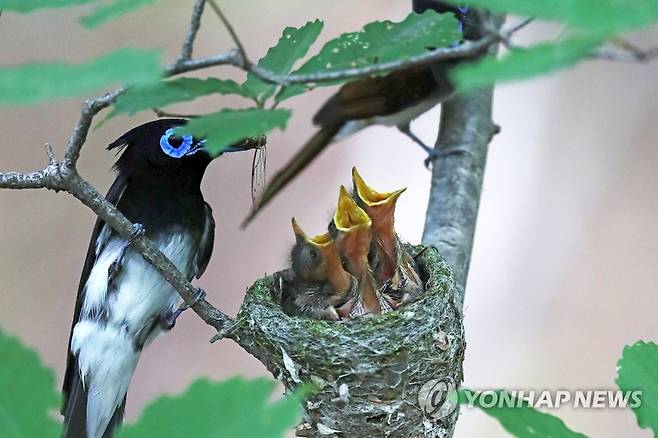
[{"x": 246, "y": 145}]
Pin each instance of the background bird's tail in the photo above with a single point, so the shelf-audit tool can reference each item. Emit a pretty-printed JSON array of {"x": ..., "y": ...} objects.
[
  {"x": 311, "y": 149},
  {"x": 75, "y": 412}
]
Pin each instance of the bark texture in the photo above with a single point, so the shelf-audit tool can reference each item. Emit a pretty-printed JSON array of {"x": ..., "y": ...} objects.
[
  {"x": 466, "y": 129},
  {"x": 368, "y": 370}
]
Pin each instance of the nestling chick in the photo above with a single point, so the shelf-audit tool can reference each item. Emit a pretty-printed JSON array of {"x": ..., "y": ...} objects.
[
  {"x": 354, "y": 237},
  {"x": 395, "y": 269},
  {"x": 319, "y": 282}
]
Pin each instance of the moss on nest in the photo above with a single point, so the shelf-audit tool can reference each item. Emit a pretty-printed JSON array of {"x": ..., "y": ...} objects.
[{"x": 368, "y": 369}]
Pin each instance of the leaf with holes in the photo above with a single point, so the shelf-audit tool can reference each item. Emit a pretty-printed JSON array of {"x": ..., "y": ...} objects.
[
  {"x": 34, "y": 83},
  {"x": 520, "y": 420},
  {"x": 161, "y": 94},
  {"x": 601, "y": 16},
  {"x": 523, "y": 64},
  {"x": 636, "y": 371},
  {"x": 293, "y": 45},
  {"x": 379, "y": 42},
  {"x": 235, "y": 408},
  {"x": 28, "y": 395},
  {"x": 228, "y": 126}
]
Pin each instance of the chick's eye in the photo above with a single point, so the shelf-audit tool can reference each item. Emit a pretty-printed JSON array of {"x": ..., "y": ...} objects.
[
  {"x": 310, "y": 257},
  {"x": 174, "y": 145}
]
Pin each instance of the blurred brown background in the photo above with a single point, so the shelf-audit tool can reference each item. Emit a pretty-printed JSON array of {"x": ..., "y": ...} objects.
[{"x": 566, "y": 252}]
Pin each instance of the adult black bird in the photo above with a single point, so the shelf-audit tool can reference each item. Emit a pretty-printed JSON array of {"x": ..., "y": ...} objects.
[
  {"x": 394, "y": 99},
  {"x": 123, "y": 303}
]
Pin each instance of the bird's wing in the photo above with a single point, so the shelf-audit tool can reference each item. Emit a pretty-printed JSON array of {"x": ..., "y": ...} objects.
[
  {"x": 377, "y": 96},
  {"x": 207, "y": 241},
  {"x": 358, "y": 100},
  {"x": 99, "y": 238}
]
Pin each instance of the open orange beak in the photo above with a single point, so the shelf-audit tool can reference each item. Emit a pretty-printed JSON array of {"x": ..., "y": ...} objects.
[
  {"x": 372, "y": 198},
  {"x": 349, "y": 215},
  {"x": 354, "y": 234},
  {"x": 380, "y": 206}
]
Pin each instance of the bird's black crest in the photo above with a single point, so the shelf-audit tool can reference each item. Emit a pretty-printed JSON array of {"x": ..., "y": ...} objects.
[
  {"x": 144, "y": 132},
  {"x": 145, "y": 135}
]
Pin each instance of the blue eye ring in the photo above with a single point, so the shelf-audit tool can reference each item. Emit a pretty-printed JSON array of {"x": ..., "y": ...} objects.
[{"x": 171, "y": 150}]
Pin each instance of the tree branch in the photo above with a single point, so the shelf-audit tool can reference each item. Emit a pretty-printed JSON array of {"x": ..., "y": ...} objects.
[
  {"x": 229, "y": 27},
  {"x": 231, "y": 57},
  {"x": 193, "y": 28},
  {"x": 58, "y": 176},
  {"x": 238, "y": 58},
  {"x": 465, "y": 131},
  {"x": 622, "y": 51},
  {"x": 79, "y": 135}
]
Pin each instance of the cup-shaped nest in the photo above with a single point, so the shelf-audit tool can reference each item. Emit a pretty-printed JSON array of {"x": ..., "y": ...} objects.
[{"x": 367, "y": 371}]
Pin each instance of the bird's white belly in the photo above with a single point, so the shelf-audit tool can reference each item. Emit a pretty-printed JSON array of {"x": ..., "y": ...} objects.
[
  {"x": 116, "y": 322},
  {"x": 138, "y": 294},
  {"x": 143, "y": 294}
]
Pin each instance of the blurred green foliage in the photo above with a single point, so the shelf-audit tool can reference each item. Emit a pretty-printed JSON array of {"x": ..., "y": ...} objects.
[
  {"x": 27, "y": 393},
  {"x": 33, "y": 83},
  {"x": 637, "y": 370},
  {"x": 588, "y": 24},
  {"x": 234, "y": 408}
]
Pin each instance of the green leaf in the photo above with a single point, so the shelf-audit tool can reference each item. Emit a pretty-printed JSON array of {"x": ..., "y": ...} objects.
[
  {"x": 29, "y": 84},
  {"x": 379, "y": 42},
  {"x": 24, "y": 6},
  {"x": 522, "y": 64},
  {"x": 27, "y": 396},
  {"x": 161, "y": 94},
  {"x": 293, "y": 45},
  {"x": 105, "y": 12},
  {"x": 637, "y": 370},
  {"x": 235, "y": 408},
  {"x": 604, "y": 16},
  {"x": 223, "y": 128},
  {"x": 522, "y": 421}
]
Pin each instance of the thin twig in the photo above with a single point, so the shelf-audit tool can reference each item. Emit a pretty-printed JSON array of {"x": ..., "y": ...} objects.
[
  {"x": 464, "y": 50},
  {"x": 79, "y": 135},
  {"x": 160, "y": 113},
  {"x": 195, "y": 24},
  {"x": 505, "y": 38},
  {"x": 50, "y": 154},
  {"x": 620, "y": 50},
  {"x": 231, "y": 31},
  {"x": 232, "y": 57}
]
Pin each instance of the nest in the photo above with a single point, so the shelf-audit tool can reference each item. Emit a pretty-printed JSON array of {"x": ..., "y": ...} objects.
[{"x": 368, "y": 370}]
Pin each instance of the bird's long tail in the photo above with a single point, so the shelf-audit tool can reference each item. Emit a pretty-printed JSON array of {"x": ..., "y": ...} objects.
[
  {"x": 101, "y": 373},
  {"x": 308, "y": 153},
  {"x": 75, "y": 414}
]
